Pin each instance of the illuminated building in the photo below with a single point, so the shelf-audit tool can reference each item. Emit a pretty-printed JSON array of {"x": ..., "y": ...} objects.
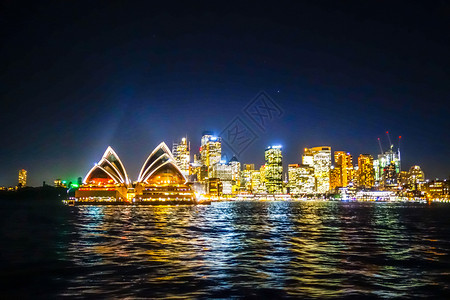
[
  {"x": 320, "y": 159},
  {"x": 214, "y": 187},
  {"x": 22, "y": 178},
  {"x": 390, "y": 176},
  {"x": 159, "y": 181},
  {"x": 249, "y": 167},
  {"x": 106, "y": 181},
  {"x": 384, "y": 164},
  {"x": 262, "y": 178},
  {"x": 256, "y": 182},
  {"x": 236, "y": 173},
  {"x": 366, "y": 177},
  {"x": 335, "y": 177},
  {"x": 210, "y": 149},
  {"x": 246, "y": 179},
  {"x": 222, "y": 171},
  {"x": 236, "y": 169},
  {"x": 308, "y": 157},
  {"x": 58, "y": 183},
  {"x": 301, "y": 179},
  {"x": 273, "y": 170},
  {"x": 403, "y": 178},
  {"x": 416, "y": 178},
  {"x": 438, "y": 189},
  {"x": 344, "y": 164},
  {"x": 181, "y": 153}
]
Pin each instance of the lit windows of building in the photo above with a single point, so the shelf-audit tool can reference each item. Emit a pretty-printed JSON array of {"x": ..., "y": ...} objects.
[
  {"x": 236, "y": 169},
  {"x": 366, "y": 176},
  {"x": 344, "y": 164},
  {"x": 301, "y": 179},
  {"x": 222, "y": 171},
  {"x": 214, "y": 187},
  {"x": 335, "y": 177},
  {"x": 403, "y": 178},
  {"x": 416, "y": 178},
  {"x": 390, "y": 176},
  {"x": 387, "y": 167},
  {"x": 438, "y": 189},
  {"x": 246, "y": 179},
  {"x": 273, "y": 170},
  {"x": 210, "y": 149},
  {"x": 249, "y": 167},
  {"x": 262, "y": 178},
  {"x": 236, "y": 173},
  {"x": 256, "y": 182},
  {"x": 308, "y": 157},
  {"x": 320, "y": 159},
  {"x": 181, "y": 153},
  {"x": 22, "y": 182}
]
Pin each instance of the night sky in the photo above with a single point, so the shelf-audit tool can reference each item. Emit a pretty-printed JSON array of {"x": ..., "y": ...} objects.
[{"x": 79, "y": 76}]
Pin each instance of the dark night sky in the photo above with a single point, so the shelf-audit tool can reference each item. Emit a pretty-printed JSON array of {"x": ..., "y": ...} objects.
[{"x": 79, "y": 76}]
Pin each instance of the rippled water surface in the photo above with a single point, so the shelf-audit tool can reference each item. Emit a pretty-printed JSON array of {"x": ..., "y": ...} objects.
[{"x": 226, "y": 250}]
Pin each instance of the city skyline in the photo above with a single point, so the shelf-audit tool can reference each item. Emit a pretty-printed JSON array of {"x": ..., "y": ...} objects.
[
  {"x": 78, "y": 78},
  {"x": 188, "y": 159}
]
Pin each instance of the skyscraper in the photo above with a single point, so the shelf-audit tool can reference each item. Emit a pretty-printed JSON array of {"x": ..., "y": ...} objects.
[
  {"x": 320, "y": 159},
  {"x": 341, "y": 175},
  {"x": 274, "y": 170},
  {"x": 236, "y": 167},
  {"x": 366, "y": 178},
  {"x": 210, "y": 149},
  {"x": 181, "y": 153},
  {"x": 236, "y": 173},
  {"x": 22, "y": 178},
  {"x": 308, "y": 157},
  {"x": 301, "y": 179},
  {"x": 383, "y": 164}
]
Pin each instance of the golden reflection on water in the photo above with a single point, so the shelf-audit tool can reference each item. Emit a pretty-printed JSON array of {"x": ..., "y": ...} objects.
[{"x": 317, "y": 249}]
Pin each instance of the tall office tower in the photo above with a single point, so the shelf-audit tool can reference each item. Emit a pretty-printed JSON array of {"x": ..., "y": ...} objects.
[
  {"x": 262, "y": 176},
  {"x": 256, "y": 182},
  {"x": 366, "y": 178},
  {"x": 308, "y": 157},
  {"x": 182, "y": 155},
  {"x": 341, "y": 175},
  {"x": 301, "y": 179},
  {"x": 22, "y": 178},
  {"x": 335, "y": 177},
  {"x": 210, "y": 149},
  {"x": 274, "y": 170},
  {"x": 236, "y": 167},
  {"x": 390, "y": 176},
  {"x": 320, "y": 159},
  {"x": 383, "y": 164}
]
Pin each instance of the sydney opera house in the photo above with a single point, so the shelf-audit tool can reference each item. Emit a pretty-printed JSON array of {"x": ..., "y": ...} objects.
[{"x": 160, "y": 181}]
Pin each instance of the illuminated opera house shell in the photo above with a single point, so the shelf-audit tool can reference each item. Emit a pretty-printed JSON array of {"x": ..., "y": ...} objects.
[{"x": 160, "y": 180}]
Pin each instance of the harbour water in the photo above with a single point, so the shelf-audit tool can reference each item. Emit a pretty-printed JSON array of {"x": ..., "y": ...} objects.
[{"x": 243, "y": 249}]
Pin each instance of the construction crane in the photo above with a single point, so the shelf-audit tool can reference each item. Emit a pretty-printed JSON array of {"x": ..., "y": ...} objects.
[
  {"x": 389, "y": 139},
  {"x": 379, "y": 144}
]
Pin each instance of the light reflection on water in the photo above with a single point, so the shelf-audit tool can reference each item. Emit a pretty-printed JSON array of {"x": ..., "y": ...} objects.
[{"x": 248, "y": 249}]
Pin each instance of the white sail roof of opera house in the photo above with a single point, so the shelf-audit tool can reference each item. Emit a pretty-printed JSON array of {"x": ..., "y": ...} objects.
[
  {"x": 109, "y": 166},
  {"x": 160, "y": 158}
]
